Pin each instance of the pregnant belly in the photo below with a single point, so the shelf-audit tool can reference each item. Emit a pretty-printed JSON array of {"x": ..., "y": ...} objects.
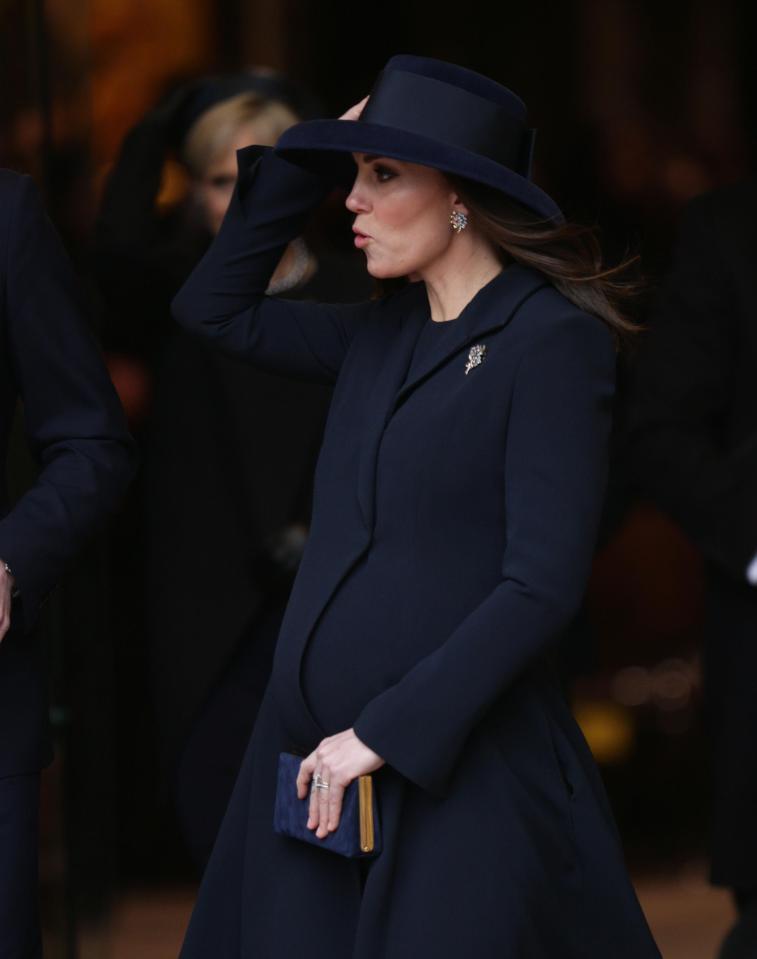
[{"x": 379, "y": 623}]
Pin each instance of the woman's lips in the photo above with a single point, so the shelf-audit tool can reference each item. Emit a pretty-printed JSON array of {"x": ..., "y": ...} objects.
[{"x": 361, "y": 239}]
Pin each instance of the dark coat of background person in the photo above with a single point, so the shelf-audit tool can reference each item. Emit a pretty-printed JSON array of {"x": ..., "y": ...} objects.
[
  {"x": 77, "y": 434},
  {"x": 468, "y": 505},
  {"x": 692, "y": 424},
  {"x": 76, "y": 431},
  {"x": 229, "y": 453}
]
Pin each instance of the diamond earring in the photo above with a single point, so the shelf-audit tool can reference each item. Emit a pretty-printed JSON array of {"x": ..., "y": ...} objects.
[{"x": 458, "y": 220}]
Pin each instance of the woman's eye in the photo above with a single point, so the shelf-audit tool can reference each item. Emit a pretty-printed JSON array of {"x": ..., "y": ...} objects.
[
  {"x": 384, "y": 173},
  {"x": 222, "y": 182}
]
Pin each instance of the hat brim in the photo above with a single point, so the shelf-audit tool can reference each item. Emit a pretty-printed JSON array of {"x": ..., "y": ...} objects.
[{"x": 324, "y": 146}]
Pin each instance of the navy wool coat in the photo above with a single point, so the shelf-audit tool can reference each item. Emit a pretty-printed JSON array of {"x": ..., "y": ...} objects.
[
  {"x": 475, "y": 498},
  {"x": 77, "y": 433}
]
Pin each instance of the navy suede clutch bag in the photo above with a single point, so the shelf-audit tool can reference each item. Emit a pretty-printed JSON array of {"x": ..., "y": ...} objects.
[{"x": 358, "y": 834}]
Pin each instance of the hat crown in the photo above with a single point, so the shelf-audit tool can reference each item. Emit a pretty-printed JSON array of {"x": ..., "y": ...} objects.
[
  {"x": 421, "y": 96},
  {"x": 461, "y": 77},
  {"x": 434, "y": 113}
]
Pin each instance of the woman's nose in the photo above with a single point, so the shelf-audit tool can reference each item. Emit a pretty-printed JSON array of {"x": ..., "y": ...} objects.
[{"x": 356, "y": 201}]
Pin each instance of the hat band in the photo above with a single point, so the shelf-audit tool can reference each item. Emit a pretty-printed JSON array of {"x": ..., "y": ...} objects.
[{"x": 432, "y": 108}]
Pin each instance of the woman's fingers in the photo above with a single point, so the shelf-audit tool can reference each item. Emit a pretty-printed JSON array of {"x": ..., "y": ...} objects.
[
  {"x": 328, "y": 803},
  {"x": 354, "y": 112},
  {"x": 336, "y": 797},
  {"x": 314, "y": 809},
  {"x": 307, "y": 767},
  {"x": 338, "y": 760},
  {"x": 306, "y": 779},
  {"x": 323, "y": 804}
]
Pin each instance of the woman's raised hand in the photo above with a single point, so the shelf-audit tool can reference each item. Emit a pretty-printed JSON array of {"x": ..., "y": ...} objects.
[
  {"x": 337, "y": 760},
  {"x": 354, "y": 112}
]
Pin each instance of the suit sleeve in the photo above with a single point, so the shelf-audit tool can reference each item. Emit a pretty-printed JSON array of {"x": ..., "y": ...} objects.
[
  {"x": 224, "y": 299},
  {"x": 73, "y": 419},
  {"x": 682, "y": 389},
  {"x": 555, "y": 475}
]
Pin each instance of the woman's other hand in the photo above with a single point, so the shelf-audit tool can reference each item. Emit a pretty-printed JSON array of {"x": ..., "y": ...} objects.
[
  {"x": 354, "y": 112},
  {"x": 338, "y": 760}
]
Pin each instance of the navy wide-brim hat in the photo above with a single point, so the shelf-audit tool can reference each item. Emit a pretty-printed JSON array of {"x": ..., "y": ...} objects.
[{"x": 437, "y": 114}]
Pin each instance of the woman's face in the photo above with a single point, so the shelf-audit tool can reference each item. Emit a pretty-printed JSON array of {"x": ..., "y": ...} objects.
[
  {"x": 213, "y": 190},
  {"x": 401, "y": 215}
]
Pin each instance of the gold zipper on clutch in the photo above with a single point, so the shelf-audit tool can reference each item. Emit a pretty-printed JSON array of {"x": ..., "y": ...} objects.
[{"x": 365, "y": 796}]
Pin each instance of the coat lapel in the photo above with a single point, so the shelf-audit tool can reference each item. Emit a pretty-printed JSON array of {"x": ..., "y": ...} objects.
[
  {"x": 490, "y": 309},
  {"x": 399, "y": 351}
]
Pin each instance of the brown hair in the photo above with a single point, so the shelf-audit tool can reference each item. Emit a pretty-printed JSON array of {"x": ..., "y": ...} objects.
[{"x": 569, "y": 255}]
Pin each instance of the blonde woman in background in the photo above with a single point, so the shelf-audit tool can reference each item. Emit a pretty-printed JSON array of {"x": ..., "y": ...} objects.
[
  {"x": 228, "y": 459},
  {"x": 209, "y": 151}
]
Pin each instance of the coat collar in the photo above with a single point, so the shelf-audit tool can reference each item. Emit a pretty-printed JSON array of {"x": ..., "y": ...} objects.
[{"x": 488, "y": 310}]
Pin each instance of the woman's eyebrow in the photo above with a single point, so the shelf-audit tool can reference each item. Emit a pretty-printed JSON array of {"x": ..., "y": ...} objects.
[{"x": 370, "y": 157}]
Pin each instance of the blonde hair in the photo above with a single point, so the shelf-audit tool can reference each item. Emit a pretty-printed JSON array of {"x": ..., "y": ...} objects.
[{"x": 211, "y": 134}]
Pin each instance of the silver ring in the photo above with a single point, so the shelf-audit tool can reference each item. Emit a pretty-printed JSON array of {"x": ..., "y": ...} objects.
[{"x": 319, "y": 782}]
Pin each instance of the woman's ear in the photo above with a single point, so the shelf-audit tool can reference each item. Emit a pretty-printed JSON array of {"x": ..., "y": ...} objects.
[{"x": 458, "y": 206}]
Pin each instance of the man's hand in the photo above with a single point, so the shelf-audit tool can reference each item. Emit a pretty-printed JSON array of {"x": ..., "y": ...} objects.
[
  {"x": 337, "y": 760},
  {"x": 7, "y": 584}
]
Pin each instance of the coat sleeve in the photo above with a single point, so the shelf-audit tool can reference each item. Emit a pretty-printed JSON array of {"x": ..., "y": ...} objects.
[
  {"x": 74, "y": 422},
  {"x": 683, "y": 388},
  {"x": 556, "y": 454},
  {"x": 224, "y": 299}
]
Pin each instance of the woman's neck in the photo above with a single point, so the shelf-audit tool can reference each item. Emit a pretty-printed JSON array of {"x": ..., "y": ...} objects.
[{"x": 453, "y": 281}]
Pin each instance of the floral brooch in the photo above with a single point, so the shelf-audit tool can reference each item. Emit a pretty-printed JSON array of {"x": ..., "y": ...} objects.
[{"x": 475, "y": 357}]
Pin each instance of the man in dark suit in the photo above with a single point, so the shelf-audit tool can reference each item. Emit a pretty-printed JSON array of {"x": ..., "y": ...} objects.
[
  {"x": 693, "y": 422},
  {"x": 76, "y": 432}
]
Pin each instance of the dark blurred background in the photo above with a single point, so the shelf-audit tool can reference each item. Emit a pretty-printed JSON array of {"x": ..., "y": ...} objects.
[{"x": 640, "y": 106}]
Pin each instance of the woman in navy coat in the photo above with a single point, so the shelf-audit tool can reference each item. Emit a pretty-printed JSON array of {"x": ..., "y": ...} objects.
[{"x": 456, "y": 503}]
